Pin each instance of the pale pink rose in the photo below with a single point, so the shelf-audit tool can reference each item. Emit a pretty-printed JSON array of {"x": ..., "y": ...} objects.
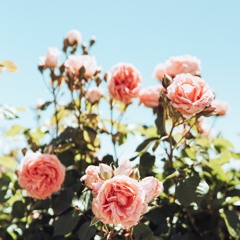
[
  {"x": 189, "y": 95},
  {"x": 51, "y": 60},
  {"x": 124, "y": 168},
  {"x": 74, "y": 37},
  {"x": 41, "y": 175},
  {"x": 92, "y": 178},
  {"x": 94, "y": 94},
  {"x": 159, "y": 71},
  {"x": 221, "y": 108},
  {"x": 203, "y": 127},
  {"x": 150, "y": 96},
  {"x": 120, "y": 200},
  {"x": 152, "y": 187},
  {"x": 74, "y": 63},
  {"x": 177, "y": 65},
  {"x": 124, "y": 82}
]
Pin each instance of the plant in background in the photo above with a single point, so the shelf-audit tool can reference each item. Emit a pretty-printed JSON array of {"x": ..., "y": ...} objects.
[{"x": 178, "y": 185}]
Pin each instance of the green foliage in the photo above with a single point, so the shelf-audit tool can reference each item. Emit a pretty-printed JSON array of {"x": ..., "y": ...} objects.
[{"x": 201, "y": 196}]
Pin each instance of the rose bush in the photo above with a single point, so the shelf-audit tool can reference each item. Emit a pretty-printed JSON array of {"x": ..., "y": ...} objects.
[{"x": 178, "y": 184}]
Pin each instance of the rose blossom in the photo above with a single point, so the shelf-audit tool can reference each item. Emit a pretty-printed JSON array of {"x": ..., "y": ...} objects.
[
  {"x": 221, "y": 108},
  {"x": 92, "y": 178},
  {"x": 150, "y": 96},
  {"x": 51, "y": 59},
  {"x": 120, "y": 200},
  {"x": 74, "y": 63},
  {"x": 94, "y": 94},
  {"x": 152, "y": 187},
  {"x": 189, "y": 95},
  {"x": 124, "y": 168},
  {"x": 124, "y": 82},
  {"x": 203, "y": 127},
  {"x": 41, "y": 175},
  {"x": 177, "y": 65},
  {"x": 74, "y": 37}
]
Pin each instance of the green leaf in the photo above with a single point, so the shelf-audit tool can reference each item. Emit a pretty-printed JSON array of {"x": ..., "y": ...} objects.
[
  {"x": 145, "y": 144},
  {"x": 232, "y": 221},
  {"x": 94, "y": 221},
  {"x": 8, "y": 162},
  {"x": 14, "y": 130},
  {"x": 9, "y": 65},
  {"x": 143, "y": 232},
  {"x": 63, "y": 201},
  {"x": 18, "y": 209},
  {"x": 86, "y": 231},
  {"x": 191, "y": 190},
  {"x": 4, "y": 181},
  {"x": 222, "y": 143},
  {"x": 66, "y": 223},
  {"x": 2, "y": 195}
]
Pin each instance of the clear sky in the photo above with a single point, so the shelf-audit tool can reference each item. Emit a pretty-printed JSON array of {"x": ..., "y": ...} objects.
[{"x": 141, "y": 32}]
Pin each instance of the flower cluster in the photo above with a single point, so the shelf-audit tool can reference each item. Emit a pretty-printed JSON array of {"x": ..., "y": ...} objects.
[{"x": 119, "y": 196}]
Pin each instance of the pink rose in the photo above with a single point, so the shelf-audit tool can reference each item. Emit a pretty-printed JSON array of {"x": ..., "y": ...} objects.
[
  {"x": 150, "y": 96},
  {"x": 177, "y": 65},
  {"x": 120, "y": 200},
  {"x": 124, "y": 168},
  {"x": 92, "y": 178},
  {"x": 221, "y": 108},
  {"x": 152, "y": 187},
  {"x": 94, "y": 94},
  {"x": 203, "y": 127},
  {"x": 189, "y": 95},
  {"x": 74, "y": 37},
  {"x": 74, "y": 63},
  {"x": 124, "y": 82},
  {"x": 159, "y": 71},
  {"x": 41, "y": 175},
  {"x": 51, "y": 59}
]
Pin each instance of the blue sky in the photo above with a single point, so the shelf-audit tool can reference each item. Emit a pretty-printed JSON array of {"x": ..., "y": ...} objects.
[{"x": 141, "y": 32}]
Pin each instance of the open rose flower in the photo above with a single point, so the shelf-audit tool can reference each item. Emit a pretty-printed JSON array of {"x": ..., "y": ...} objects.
[
  {"x": 221, "y": 108},
  {"x": 124, "y": 82},
  {"x": 94, "y": 94},
  {"x": 51, "y": 60},
  {"x": 74, "y": 64},
  {"x": 73, "y": 37},
  {"x": 41, "y": 175},
  {"x": 177, "y": 65},
  {"x": 152, "y": 187},
  {"x": 150, "y": 96},
  {"x": 120, "y": 200},
  {"x": 189, "y": 95}
]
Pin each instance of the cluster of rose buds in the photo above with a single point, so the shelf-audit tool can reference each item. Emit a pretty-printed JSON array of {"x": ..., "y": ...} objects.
[{"x": 120, "y": 197}]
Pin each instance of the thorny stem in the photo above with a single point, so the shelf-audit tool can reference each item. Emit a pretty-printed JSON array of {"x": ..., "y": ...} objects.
[
  {"x": 170, "y": 155},
  {"x": 177, "y": 144},
  {"x": 56, "y": 110},
  {"x": 111, "y": 132}
]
